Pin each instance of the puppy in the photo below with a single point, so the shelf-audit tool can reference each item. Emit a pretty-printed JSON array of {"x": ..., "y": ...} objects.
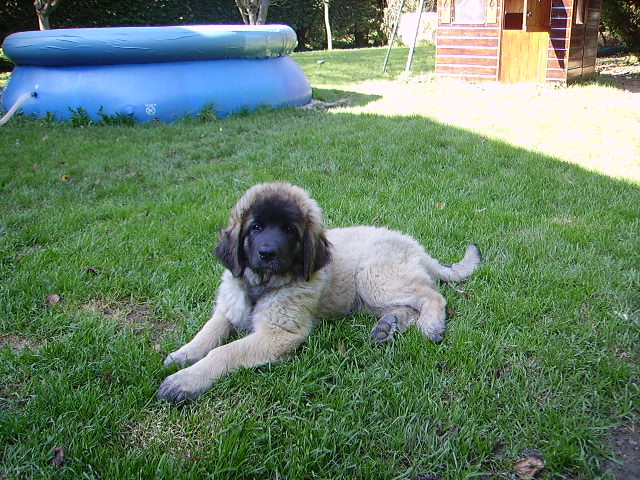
[{"x": 285, "y": 271}]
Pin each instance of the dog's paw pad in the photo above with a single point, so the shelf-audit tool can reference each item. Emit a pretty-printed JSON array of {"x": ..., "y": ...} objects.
[{"x": 385, "y": 329}]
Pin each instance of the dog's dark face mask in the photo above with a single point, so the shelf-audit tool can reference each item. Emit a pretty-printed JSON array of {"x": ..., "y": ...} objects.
[{"x": 272, "y": 239}]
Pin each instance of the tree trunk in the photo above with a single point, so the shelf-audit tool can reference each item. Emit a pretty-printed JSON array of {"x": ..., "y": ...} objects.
[
  {"x": 43, "y": 10},
  {"x": 262, "y": 13},
  {"x": 43, "y": 20},
  {"x": 253, "y": 12},
  {"x": 327, "y": 25},
  {"x": 361, "y": 39},
  {"x": 245, "y": 20}
]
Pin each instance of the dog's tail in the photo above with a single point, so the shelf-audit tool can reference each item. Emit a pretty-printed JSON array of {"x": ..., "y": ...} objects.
[{"x": 458, "y": 271}]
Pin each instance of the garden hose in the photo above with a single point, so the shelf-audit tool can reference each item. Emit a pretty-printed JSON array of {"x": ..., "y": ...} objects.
[{"x": 23, "y": 98}]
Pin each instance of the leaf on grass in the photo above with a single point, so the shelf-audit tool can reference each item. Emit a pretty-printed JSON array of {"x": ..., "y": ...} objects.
[
  {"x": 341, "y": 349},
  {"x": 427, "y": 476},
  {"x": 441, "y": 205},
  {"x": 622, "y": 355},
  {"x": 51, "y": 300},
  {"x": 529, "y": 466},
  {"x": 58, "y": 457},
  {"x": 65, "y": 178},
  {"x": 450, "y": 311},
  {"x": 93, "y": 270}
]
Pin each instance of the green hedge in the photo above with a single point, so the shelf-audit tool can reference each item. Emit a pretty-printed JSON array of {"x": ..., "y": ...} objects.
[
  {"x": 355, "y": 23},
  {"x": 622, "y": 18}
]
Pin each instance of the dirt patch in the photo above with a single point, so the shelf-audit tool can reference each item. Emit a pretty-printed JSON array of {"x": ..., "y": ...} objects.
[
  {"x": 625, "y": 443},
  {"x": 17, "y": 342},
  {"x": 11, "y": 397},
  {"x": 121, "y": 309},
  {"x": 138, "y": 315},
  {"x": 621, "y": 71}
]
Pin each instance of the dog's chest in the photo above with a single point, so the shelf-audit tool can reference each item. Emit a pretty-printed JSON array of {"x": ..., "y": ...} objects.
[{"x": 255, "y": 293}]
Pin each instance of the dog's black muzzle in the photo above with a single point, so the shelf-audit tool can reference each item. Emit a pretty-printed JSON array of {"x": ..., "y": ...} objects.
[{"x": 269, "y": 251}]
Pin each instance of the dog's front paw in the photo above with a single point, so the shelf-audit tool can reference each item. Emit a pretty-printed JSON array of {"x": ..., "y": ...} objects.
[
  {"x": 385, "y": 329},
  {"x": 179, "y": 358},
  {"x": 181, "y": 387}
]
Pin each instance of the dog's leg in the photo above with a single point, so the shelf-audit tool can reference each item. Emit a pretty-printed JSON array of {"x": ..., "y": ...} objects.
[
  {"x": 432, "y": 316},
  {"x": 214, "y": 332},
  {"x": 231, "y": 305},
  {"x": 397, "y": 320},
  {"x": 266, "y": 345}
]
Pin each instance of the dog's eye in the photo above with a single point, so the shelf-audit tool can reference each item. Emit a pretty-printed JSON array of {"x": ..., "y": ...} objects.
[
  {"x": 256, "y": 227},
  {"x": 290, "y": 229}
]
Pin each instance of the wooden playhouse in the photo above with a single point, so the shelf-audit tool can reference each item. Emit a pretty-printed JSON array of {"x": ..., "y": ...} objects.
[{"x": 512, "y": 41}]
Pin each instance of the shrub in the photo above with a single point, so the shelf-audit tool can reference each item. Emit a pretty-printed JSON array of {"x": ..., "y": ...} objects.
[{"x": 622, "y": 18}]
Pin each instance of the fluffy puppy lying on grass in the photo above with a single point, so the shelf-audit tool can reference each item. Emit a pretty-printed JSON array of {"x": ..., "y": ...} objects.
[{"x": 284, "y": 271}]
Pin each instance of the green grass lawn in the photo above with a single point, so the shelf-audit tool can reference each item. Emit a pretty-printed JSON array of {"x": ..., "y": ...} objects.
[{"x": 541, "y": 351}]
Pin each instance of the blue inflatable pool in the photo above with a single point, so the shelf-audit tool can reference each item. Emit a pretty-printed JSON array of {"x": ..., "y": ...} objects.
[{"x": 150, "y": 73}]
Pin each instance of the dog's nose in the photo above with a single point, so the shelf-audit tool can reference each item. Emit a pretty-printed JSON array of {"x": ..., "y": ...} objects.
[{"x": 267, "y": 253}]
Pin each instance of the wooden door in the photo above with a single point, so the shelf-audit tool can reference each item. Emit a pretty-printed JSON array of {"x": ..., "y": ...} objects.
[
  {"x": 537, "y": 15},
  {"x": 524, "y": 49},
  {"x": 523, "y": 56}
]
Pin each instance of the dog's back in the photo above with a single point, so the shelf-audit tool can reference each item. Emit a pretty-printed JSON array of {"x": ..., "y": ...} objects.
[{"x": 366, "y": 257}]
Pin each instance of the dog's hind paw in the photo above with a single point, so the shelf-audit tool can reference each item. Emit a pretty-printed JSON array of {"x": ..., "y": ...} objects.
[
  {"x": 385, "y": 329},
  {"x": 436, "y": 337}
]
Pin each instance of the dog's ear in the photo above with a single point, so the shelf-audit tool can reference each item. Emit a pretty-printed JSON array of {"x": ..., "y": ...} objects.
[
  {"x": 229, "y": 250},
  {"x": 316, "y": 250}
]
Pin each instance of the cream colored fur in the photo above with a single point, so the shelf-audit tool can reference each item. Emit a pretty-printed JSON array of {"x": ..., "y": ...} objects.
[{"x": 375, "y": 270}]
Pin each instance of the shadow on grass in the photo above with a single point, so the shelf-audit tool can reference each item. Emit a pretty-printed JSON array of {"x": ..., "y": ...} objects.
[
  {"x": 540, "y": 352},
  {"x": 333, "y": 95},
  {"x": 629, "y": 82},
  {"x": 619, "y": 71}
]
